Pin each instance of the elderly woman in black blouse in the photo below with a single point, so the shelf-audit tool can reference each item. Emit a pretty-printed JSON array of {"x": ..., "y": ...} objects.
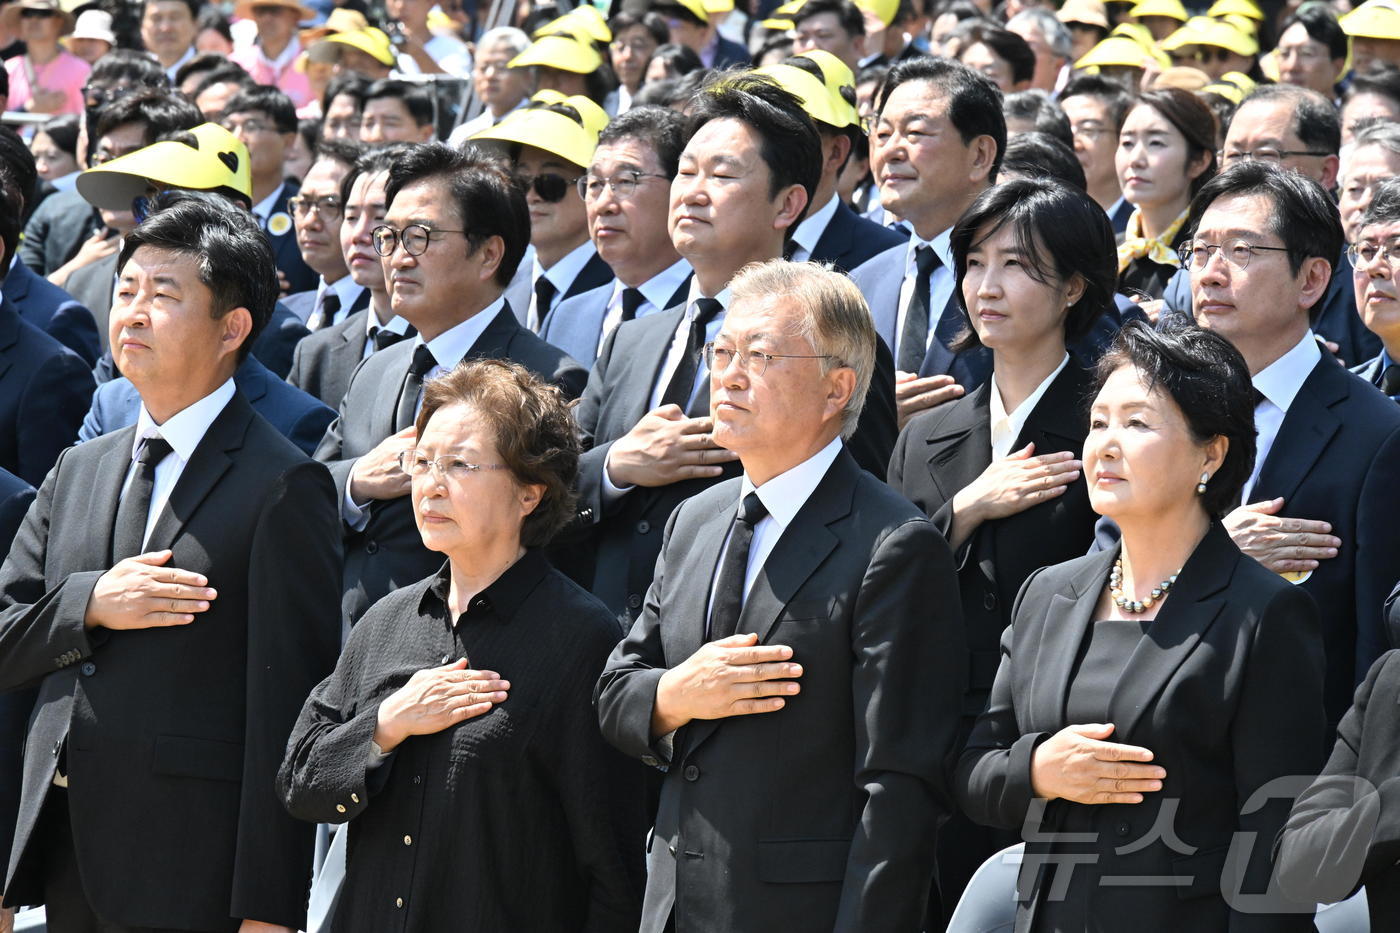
[{"x": 457, "y": 733}]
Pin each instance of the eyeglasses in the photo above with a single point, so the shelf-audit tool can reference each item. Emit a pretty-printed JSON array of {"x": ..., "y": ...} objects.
[
  {"x": 642, "y": 49},
  {"x": 415, "y": 238},
  {"x": 251, "y": 127},
  {"x": 448, "y": 466},
  {"x": 36, "y": 14},
  {"x": 328, "y": 206},
  {"x": 623, "y": 185},
  {"x": 753, "y": 362},
  {"x": 549, "y": 186},
  {"x": 1263, "y": 155},
  {"x": 1089, "y": 131},
  {"x": 1364, "y": 253},
  {"x": 1238, "y": 252}
]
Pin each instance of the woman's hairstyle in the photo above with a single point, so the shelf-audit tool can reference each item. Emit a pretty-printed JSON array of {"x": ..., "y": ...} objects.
[
  {"x": 532, "y": 428},
  {"x": 1040, "y": 155},
  {"x": 1207, "y": 378},
  {"x": 1060, "y": 232},
  {"x": 1192, "y": 119},
  {"x": 63, "y": 131}
]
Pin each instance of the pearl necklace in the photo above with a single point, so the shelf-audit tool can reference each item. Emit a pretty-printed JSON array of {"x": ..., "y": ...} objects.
[{"x": 1115, "y": 589}]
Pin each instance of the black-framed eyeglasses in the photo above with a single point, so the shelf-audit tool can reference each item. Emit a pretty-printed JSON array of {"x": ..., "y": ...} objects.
[
  {"x": 1237, "y": 251},
  {"x": 328, "y": 206},
  {"x": 415, "y": 238},
  {"x": 36, "y": 14},
  {"x": 753, "y": 362},
  {"x": 1364, "y": 253},
  {"x": 623, "y": 185},
  {"x": 1263, "y": 155},
  {"x": 550, "y": 186},
  {"x": 449, "y": 466}
]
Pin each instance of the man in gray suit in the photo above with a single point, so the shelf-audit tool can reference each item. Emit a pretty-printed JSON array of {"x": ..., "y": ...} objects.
[
  {"x": 626, "y": 194},
  {"x": 799, "y": 664}
]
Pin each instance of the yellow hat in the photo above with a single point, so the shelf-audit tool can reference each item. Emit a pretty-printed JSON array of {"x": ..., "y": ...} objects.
[
  {"x": 562, "y": 52},
  {"x": 718, "y": 6},
  {"x": 1087, "y": 12},
  {"x": 1118, "y": 50},
  {"x": 546, "y": 129},
  {"x": 1243, "y": 23},
  {"x": 694, "y": 6},
  {"x": 883, "y": 10},
  {"x": 815, "y": 98},
  {"x": 836, "y": 74},
  {"x": 373, "y": 42},
  {"x": 582, "y": 22},
  {"x": 1202, "y": 30},
  {"x": 1172, "y": 9},
  {"x": 217, "y": 160},
  {"x": 1246, "y": 8},
  {"x": 340, "y": 20},
  {"x": 1136, "y": 32},
  {"x": 594, "y": 117},
  {"x": 1226, "y": 90},
  {"x": 777, "y": 25},
  {"x": 1374, "y": 19}
]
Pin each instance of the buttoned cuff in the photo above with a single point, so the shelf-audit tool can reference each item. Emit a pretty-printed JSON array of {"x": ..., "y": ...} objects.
[{"x": 611, "y": 491}]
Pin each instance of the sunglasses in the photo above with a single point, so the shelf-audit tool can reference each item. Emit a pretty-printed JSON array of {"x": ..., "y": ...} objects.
[
  {"x": 36, "y": 14},
  {"x": 549, "y": 186}
]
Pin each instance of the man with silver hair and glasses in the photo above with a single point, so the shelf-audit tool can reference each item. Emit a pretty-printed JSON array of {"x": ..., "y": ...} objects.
[
  {"x": 501, "y": 88},
  {"x": 1051, "y": 42},
  {"x": 1375, "y": 256},
  {"x": 798, "y": 665}
]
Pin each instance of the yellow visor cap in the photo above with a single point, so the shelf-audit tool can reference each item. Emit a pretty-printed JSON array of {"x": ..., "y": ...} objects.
[
  {"x": 561, "y": 52},
  {"x": 218, "y": 160},
  {"x": 553, "y": 132}
]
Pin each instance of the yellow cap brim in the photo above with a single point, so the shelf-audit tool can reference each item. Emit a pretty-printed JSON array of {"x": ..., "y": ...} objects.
[
  {"x": 1236, "y": 8},
  {"x": 1373, "y": 20},
  {"x": 1172, "y": 9},
  {"x": 381, "y": 50},
  {"x": 220, "y": 161},
  {"x": 560, "y": 52},
  {"x": 1116, "y": 50},
  {"x": 584, "y": 22},
  {"x": 547, "y": 130},
  {"x": 813, "y": 94}
]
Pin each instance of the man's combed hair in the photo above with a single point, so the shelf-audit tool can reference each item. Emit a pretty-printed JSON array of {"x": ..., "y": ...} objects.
[
  {"x": 232, "y": 254},
  {"x": 271, "y": 101},
  {"x": 661, "y": 129},
  {"x": 417, "y": 101},
  {"x": 974, "y": 103},
  {"x": 1385, "y": 205},
  {"x": 1315, "y": 120},
  {"x": 489, "y": 202},
  {"x": 161, "y": 112}
]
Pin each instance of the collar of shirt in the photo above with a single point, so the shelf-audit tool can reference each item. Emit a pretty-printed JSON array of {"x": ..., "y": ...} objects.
[
  {"x": 785, "y": 494},
  {"x": 396, "y": 324},
  {"x": 1280, "y": 381},
  {"x": 289, "y": 55},
  {"x": 942, "y": 248},
  {"x": 694, "y": 294},
  {"x": 502, "y": 598},
  {"x": 170, "y": 72},
  {"x": 1116, "y": 206},
  {"x": 450, "y": 346},
  {"x": 186, "y": 428},
  {"x": 263, "y": 209},
  {"x": 14, "y": 260},
  {"x": 1006, "y": 427},
  {"x": 707, "y": 54},
  {"x": 345, "y": 289},
  {"x": 563, "y": 272},
  {"x": 658, "y": 289},
  {"x": 813, "y": 226}
]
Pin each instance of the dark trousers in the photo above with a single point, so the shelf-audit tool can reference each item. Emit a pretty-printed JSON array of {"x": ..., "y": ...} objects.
[{"x": 66, "y": 907}]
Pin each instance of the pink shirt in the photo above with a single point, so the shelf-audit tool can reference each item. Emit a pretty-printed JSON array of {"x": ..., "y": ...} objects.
[
  {"x": 67, "y": 73},
  {"x": 281, "y": 74}
]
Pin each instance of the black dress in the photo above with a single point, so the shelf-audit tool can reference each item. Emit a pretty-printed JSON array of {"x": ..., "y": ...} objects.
[{"x": 521, "y": 819}]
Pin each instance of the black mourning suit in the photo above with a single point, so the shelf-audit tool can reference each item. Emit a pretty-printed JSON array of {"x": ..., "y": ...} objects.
[
  {"x": 1225, "y": 688},
  {"x": 172, "y": 736},
  {"x": 824, "y": 814}
]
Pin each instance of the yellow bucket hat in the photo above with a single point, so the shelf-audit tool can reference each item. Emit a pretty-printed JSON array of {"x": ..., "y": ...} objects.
[
  {"x": 694, "y": 6},
  {"x": 217, "y": 160},
  {"x": 815, "y": 98},
  {"x": 1172, "y": 9},
  {"x": 1202, "y": 30},
  {"x": 718, "y": 6},
  {"x": 1246, "y": 8},
  {"x": 562, "y": 52},
  {"x": 373, "y": 42},
  {"x": 1120, "y": 50},
  {"x": 781, "y": 19},
  {"x": 1374, "y": 19},
  {"x": 583, "y": 22},
  {"x": 836, "y": 74},
  {"x": 1136, "y": 32},
  {"x": 549, "y": 130}
]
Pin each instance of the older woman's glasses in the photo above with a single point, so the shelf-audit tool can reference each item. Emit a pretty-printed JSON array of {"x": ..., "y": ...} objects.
[
  {"x": 1237, "y": 252},
  {"x": 623, "y": 185},
  {"x": 1366, "y": 252},
  {"x": 753, "y": 362},
  {"x": 448, "y": 466},
  {"x": 415, "y": 239}
]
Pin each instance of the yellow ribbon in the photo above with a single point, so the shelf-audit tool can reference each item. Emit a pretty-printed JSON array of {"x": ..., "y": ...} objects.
[{"x": 1158, "y": 249}]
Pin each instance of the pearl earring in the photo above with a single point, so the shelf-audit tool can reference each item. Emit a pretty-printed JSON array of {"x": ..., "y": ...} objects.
[{"x": 1201, "y": 486}]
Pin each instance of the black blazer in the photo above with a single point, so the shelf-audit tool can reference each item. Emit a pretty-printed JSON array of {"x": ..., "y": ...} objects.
[
  {"x": 850, "y": 239},
  {"x": 54, "y": 311},
  {"x": 15, "y": 498},
  {"x": 324, "y": 362},
  {"x": 623, "y": 538},
  {"x": 1344, "y": 831},
  {"x": 285, "y": 252},
  {"x": 45, "y": 389},
  {"x": 174, "y": 735},
  {"x": 1225, "y": 689},
  {"x": 823, "y": 815},
  {"x": 943, "y": 450},
  {"x": 388, "y": 552},
  {"x": 56, "y": 230}
]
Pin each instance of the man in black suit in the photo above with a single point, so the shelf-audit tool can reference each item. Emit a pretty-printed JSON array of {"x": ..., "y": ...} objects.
[
  {"x": 15, "y": 497},
  {"x": 691, "y": 27},
  {"x": 316, "y": 212},
  {"x": 798, "y": 667},
  {"x": 939, "y": 139},
  {"x": 454, "y": 230},
  {"x": 1096, "y": 108},
  {"x": 176, "y": 621},
  {"x": 1327, "y": 476},
  {"x": 752, "y": 159},
  {"x": 325, "y": 361},
  {"x": 265, "y": 120}
]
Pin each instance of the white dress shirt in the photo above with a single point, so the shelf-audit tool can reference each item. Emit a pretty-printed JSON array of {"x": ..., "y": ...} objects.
[
  {"x": 170, "y": 72},
  {"x": 345, "y": 289},
  {"x": 1006, "y": 427},
  {"x": 1279, "y": 383},
  {"x": 562, "y": 274},
  {"x": 941, "y": 282},
  {"x": 656, "y": 291},
  {"x": 396, "y": 324},
  {"x": 263, "y": 209},
  {"x": 482, "y": 121},
  {"x": 182, "y": 431},
  {"x": 809, "y": 232}
]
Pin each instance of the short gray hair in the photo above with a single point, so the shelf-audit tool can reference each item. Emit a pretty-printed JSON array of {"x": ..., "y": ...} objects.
[
  {"x": 1383, "y": 133},
  {"x": 835, "y": 318},
  {"x": 505, "y": 35},
  {"x": 1055, "y": 33}
]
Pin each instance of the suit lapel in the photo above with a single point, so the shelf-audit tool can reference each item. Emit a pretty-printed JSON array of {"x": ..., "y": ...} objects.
[
  {"x": 649, "y": 356},
  {"x": 1306, "y": 430},
  {"x": 960, "y": 447},
  {"x": 835, "y": 241},
  {"x": 594, "y": 274},
  {"x": 208, "y": 463},
  {"x": 9, "y": 331},
  {"x": 1057, "y": 422},
  {"x": 107, "y": 489},
  {"x": 1067, "y": 618}
]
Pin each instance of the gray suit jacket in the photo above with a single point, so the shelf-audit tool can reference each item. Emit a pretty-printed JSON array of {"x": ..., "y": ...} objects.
[
  {"x": 576, "y": 324},
  {"x": 324, "y": 362}
]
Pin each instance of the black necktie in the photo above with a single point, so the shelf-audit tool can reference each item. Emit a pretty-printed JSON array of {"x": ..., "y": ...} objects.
[
  {"x": 733, "y": 569},
  {"x": 330, "y": 307},
  {"x": 632, "y": 299},
  {"x": 129, "y": 531},
  {"x": 422, "y": 363},
  {"x": 683, "y": 379},
  {"x": 913, "y": 337},
  {"x": 384, "y": 337},
  {"x": 1390, "y": 380},
  {"x": 544, "y": 296}
]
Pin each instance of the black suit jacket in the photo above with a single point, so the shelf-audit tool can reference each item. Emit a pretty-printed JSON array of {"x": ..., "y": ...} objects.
[
  {"x": 56, "y": 230},
  {"x": 285, "y": 251},
  {"x": 54, "y": 311},
  {"x": 850, "y": 239},
  {"x": 15, "y": 497},
  {"x": 45, "y": 389},
  {"x": 387, "y": 552},
  {"x": 944, "y": 450},
  {"x": 174, "y": 735},
  {"x": 1344, "y": 831},
  {"x": 324, "y": 362},
  {"x": 1225, "y": 689},
  {"x": 92, "y": 285},
  {"x": 623, "y": 538},
  {"x": 822, "y": 815}
]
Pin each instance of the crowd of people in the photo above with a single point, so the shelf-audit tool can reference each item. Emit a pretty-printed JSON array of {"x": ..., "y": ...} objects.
[{"x": 891, "y": 466}]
